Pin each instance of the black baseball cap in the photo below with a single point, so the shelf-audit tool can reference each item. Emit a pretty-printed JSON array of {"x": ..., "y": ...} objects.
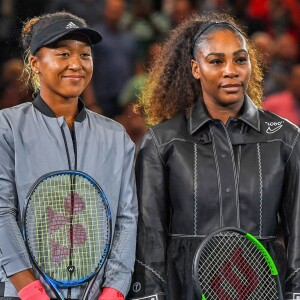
[{"x": 59, "y": 29}]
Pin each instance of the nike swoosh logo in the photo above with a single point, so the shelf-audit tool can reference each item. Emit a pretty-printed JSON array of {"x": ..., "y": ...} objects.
[{"x": 270, "y": 130}]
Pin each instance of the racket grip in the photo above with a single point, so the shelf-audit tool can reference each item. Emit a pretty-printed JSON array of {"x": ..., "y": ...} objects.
[
  {"x": 109, "y": 293},
  {"x": 33, "y": 291}
]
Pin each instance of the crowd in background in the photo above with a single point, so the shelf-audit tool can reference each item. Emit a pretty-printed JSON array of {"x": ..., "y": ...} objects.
[{"x": 132, "y": 32}]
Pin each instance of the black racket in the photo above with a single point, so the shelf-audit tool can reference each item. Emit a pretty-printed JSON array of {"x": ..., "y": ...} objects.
[
  {"x": 67, "y": 229},
  {"x": 232, "y": 264}
]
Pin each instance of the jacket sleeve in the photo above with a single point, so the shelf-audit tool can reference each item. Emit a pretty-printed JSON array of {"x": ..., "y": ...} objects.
[
  {"x": 120, "y": 263},
  {"x": 291, "y": 221},
  {"x": 13, "y": 254},
  {"x": 149, "y": 278}
]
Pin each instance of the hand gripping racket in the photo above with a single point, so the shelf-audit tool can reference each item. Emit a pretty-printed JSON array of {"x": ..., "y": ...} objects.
[
  {"x": 231, "y": 264},
  {"x": 67, "y": 229}
]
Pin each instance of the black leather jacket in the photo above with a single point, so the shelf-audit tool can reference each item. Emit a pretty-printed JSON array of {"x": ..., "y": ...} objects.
[{"x": 195, "y": 175}]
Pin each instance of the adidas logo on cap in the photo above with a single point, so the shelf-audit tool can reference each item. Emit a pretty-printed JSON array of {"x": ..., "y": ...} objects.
[{"x": 71, "y": 25}]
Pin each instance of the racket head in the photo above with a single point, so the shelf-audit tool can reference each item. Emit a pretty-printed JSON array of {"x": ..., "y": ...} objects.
[
  {"x": 232, "y": 264},
  {"x": 67, "y": 227}
]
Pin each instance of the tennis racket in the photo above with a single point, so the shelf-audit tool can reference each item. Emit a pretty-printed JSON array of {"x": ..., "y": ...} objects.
[
  {"x": 67, "y": 229},
  {"x": 232, "y": 264}
]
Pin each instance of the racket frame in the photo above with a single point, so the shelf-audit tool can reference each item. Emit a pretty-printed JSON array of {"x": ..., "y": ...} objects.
[
  {"x": 54, "y": 284},
  {"x": 253, "y": 240}
]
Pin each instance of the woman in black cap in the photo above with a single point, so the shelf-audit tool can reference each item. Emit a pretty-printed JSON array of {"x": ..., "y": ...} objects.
[
  {"x": 211, "y": 159},
  {"x": 56, "y": 132}
]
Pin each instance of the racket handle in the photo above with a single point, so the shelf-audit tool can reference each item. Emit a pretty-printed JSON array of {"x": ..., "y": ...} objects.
[
  {"x": 111, "y": 294},
  {"x": 33, "y": 291}
]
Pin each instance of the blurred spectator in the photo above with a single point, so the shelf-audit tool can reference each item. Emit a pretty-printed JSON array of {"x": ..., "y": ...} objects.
[
  {"x": 215, "y": 5},
  {"x": 264, "y": 44},
  {"x": 86, "y": 9},
  {"x": 276, "y": 16},
  {"x": 13, "y": 90},
  {"x": 114, "y": 60},
  {"x": 181, "y": 10},
  {"x": 7, "y": 18},
  {"x": 8, "y": 39},
  {"x": 259, "y": 14},
  {"x": 286, "y": 48},
  {"x": 284, "y": 17},
  {"x": 131, "y": 117},
  {"x": 166, "y": 6},
  {"x": 287, "y": 103},
  {"x": 251, "y": 21},
  {"x": 295, "y": 14},
  {"x": 12, "y": 15},
  {"x": 147, "y": 24},
  {"x": 286, "y": 55}
]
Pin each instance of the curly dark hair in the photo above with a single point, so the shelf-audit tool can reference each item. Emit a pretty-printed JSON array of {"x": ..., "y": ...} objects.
[
  {"x": 171, "y": 87},
  {"x": 32, "y": 27}
]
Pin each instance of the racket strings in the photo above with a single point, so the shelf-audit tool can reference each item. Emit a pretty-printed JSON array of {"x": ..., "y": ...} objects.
[
  {"x": 66, "y": 221},
  {"x": 226, "y": 272}
]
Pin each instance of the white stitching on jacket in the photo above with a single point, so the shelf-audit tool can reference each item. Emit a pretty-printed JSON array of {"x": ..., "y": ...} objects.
[
  {"x": 296, "y": 271},
  {"x": 151, "y": 270},
  {"x": 260, "y": 190},
  {"x": 195, "y": 188}
]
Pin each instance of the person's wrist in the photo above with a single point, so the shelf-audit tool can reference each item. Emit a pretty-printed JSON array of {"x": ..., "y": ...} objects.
[
  {"x": 33, "y": 291},
  {"x": 109, "y": 293}
]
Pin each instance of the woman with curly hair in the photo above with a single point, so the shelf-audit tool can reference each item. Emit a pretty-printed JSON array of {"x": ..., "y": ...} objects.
[
  {"x": 211, "y": 159},
  {"x": 56, "y": 132}
]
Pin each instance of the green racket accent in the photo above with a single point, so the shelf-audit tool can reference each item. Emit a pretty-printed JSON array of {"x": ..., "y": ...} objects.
[
  {"x": 264, "y": 252},
  {"x": 232, "y": 264}
]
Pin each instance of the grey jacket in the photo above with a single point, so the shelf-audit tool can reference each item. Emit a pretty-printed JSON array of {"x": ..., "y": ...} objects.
[{"x": 33, "y": 141}]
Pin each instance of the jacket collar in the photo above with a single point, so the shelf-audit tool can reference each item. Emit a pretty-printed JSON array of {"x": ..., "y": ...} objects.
[
  {"x": 199, "y": 116},
  {"x": 42, "y": 107}
]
